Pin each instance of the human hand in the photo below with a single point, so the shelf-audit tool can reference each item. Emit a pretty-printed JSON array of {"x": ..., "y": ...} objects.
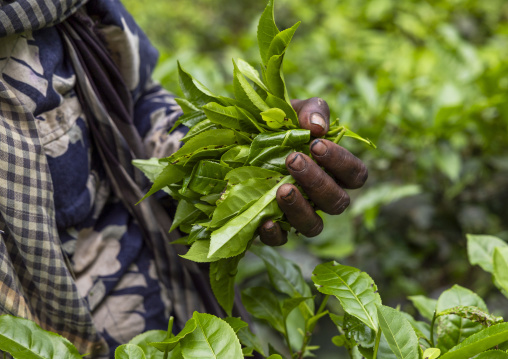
[{"x": 325, "y": 190}]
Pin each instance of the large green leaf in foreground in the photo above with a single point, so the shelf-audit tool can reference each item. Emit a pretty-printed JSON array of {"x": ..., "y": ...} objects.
[
  {"x": 355, "y": 290},
  {"x": 213, "y": 338},
  {"x": 452, "y": 329},
  {"x": 242, "y": 227},
  {"x": 398, "y": 333},
  {"x": 129, "y": 351},
  {"x": 24, "y": 339},
  {"x": 479, "y": 342}
]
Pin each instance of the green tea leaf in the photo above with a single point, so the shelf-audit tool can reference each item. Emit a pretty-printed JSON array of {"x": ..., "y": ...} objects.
[
  {"x": 398, "y": 333},
  {"x": 479, "y": 342},
  {"x": 267, "y": 30},
  {"x": 274, "y": 356},
  {"x": 355, "y": 290},
  {"x": 24, "y": 339},
  {"x": 228, "y": 117},
  {"x": 236, "y": 323},
  {"x": 492, "y": 354},
  {"x": 275, "y": 118},
  {"x": 243, "y": 226},
  {"x": 210, "y": 139},
  {"x": 213, "y": 338},
  {"x": 198, "y": 252},
  {"x": 285, "y": 276},
  {"x": 290, "y": 112},
  {"x": 189, "y": 120},
  {"x": 271, "y": 158},
  {"x": 357, "y": 330},
  {"x": 422, "y": 329},
  {"x": 198, "y": 233},
  {"x": 143, "y": 340},
  {"x": 195, "y": 92},
  {"x": 426, "y": 306},
  {"x": 245, "y": 93},
  {"x": 263, "y": 304},
  {"x": 170, "y": 174},
  {"x": 431, "y": 353},
  {"x": 129, "y": 351},
  {"x": 203, "y": 126},
  {"x": 351, "y": 134},
  {"x": 501, "y": 267},
  {"x": 249, "y": 120},
  {"x": 152, "y": 168},
  {"x": 269, "y": 150},
  {"x": 185, "y": 213},
  {"x": 208, "y": 177},
  {"x": 294, "y": 139},
  {"x": 239, "y": 196},
  {"x": 275, "y": 78},
  {"x": 288, "y": 305},
  {"x": 247, "y": 172},
  {"x": 186, "y": 106},
  {"x": 340, "y": 341},
  {"x": 452, "y": 329},
  {"x": 171, "y": 343},
  {"x": 250, "y": 341},
  {"x": 480, "y": 250},
  {"x": 251, "y": 73},
  {"x": 222, "y": 280},
  {"x": 236, "y": 156},
  {"x": 281, "y": 41}
]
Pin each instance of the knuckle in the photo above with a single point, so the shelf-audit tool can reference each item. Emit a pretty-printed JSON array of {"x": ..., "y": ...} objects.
[{"x": 341, "y": 204}]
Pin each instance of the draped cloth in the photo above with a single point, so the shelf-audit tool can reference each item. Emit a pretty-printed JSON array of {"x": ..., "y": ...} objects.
[{"x": 36, "y": 281}]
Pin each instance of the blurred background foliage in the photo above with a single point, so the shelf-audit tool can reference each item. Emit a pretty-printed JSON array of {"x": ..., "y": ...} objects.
[{"x": 427, "y": 81}]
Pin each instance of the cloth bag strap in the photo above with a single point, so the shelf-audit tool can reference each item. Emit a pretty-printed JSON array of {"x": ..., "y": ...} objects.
[{"x": 107, "y": 104}]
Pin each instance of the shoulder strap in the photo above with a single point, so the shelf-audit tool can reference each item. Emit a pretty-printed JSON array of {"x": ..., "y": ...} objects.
[{"x": 107, "y": 104}]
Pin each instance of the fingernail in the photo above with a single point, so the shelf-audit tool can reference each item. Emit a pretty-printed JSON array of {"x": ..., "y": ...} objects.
[
  {"x": 270, "y": 227},
  {"x": 298, "y": 163},
  {"x": 319, "y": 148},
  {"x": 290, "y": 197},
  {"x": 317, "y": 119}
]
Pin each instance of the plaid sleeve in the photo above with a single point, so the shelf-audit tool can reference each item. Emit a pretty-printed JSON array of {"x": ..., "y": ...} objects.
[
  {"x": 32, "y": 264},
  {"x": 20, "y": 16}
]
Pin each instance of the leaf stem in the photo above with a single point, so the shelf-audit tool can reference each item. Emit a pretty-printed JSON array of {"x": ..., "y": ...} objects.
[
  {"x": 376, "y": 346},
  {"x": 340, "y": 135},
  {"x": 169, "y": 334},
  {"x": 335, "y": 130},
  {"x": 323, "y": 304},
  {"x": 286, "y": 336},
  {"x": 432, "y": 329},
  {"x": 309, "y": 330}
]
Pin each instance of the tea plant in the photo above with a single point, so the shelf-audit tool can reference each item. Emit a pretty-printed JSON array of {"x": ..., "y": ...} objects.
[
  {"x": 227, "y": 173},
  {"x": 458, "y": 324}
]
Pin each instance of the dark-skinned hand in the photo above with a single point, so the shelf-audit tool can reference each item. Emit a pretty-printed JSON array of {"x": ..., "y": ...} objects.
[{"x": 324, "y": 190}]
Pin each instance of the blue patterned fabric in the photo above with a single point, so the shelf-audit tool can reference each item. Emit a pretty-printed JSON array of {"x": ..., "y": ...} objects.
[{"x": 55, "y": 199}]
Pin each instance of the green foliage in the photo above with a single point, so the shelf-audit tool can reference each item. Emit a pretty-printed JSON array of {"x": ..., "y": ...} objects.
[
  {"x": 24, "y": 339},
  {"x": 367, "y": 328},
  {"x": 254, "y": 131},
  {"x": 398, "y": 333},
  {"x": 425, "y": 80},
  {"x": 355, "y": 290}
]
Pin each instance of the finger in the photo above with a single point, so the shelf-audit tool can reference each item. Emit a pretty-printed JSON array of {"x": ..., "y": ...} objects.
[
  {"x": 298, "y": 211},
  {"x": 348, "y": 169},
  {"x": 271, "y": 234},
  {"x": 313, "y": 115},
  {"x": 317, "y": 184}
]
